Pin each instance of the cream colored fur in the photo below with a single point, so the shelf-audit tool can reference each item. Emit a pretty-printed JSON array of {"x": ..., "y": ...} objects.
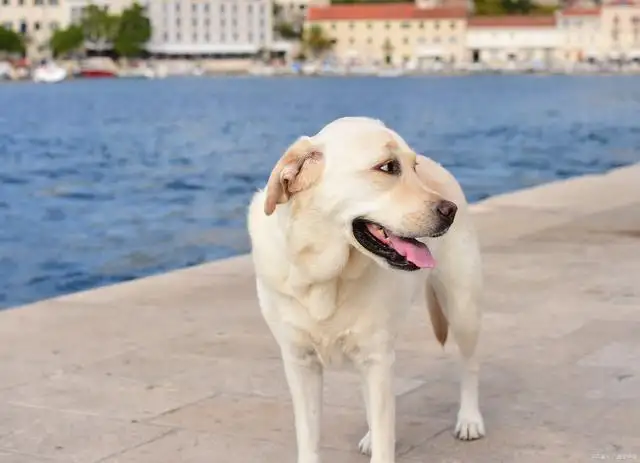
[{"x": 325, "y": 298}]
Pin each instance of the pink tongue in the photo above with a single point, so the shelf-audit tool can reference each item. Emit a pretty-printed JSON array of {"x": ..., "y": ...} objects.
[{"x": 419, "y": 255}]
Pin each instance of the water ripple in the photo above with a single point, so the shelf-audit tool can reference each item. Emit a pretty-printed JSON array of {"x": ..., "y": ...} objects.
[{"x": 140, "y": 177}]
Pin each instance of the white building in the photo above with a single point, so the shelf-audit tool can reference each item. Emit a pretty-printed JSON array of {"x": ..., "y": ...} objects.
[
  {"x": 580, "y": 31},
  {"x": 512, "y": 40},
  {"x": 210, "y": 28}
]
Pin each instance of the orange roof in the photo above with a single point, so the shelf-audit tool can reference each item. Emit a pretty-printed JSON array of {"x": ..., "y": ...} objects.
[
  {"x": 578, "y": 11},
  {"x": 381, "y": 11},
  {"x": 512, "y": 21}
]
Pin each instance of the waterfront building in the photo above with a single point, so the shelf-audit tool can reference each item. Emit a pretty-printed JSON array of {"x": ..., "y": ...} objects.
[
  {"x": 210, "y": 28},
  {"x": 36, "y": 19},
  {"x": 580, "y": 34},
  {"x": 512, "y": 41},
  {"x": 620, "y": 31},
  {"x": 295, "y": 11},
  {"x": 398, "y": 34}
]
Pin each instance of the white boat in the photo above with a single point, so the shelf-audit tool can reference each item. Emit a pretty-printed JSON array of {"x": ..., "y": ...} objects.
[
  {"x": 49, "y": 73},
  {"x": 139, "y": 72},
  {"x": 390, "y": 72},
  {"x": 262, "y": 70}
]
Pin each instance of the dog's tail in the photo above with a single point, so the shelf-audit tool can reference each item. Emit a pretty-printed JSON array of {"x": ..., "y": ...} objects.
[{"x": 438, "y": 320}]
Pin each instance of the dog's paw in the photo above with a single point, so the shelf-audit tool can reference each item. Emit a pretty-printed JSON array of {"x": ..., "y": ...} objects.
[
  {"x": 365, "y": 444},
  {"x": 470, "y": 426}
]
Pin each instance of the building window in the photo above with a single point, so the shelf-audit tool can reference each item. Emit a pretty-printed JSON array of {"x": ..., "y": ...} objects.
[
  {"x": 36, "y": 25},
  {"x": 206, "y": 7},
  {"x": 369, "y": 40},
  {"x": 369, "y": 25},
  {"x": 436, "y": 25},
  {"x": 223, "y": 38},
  {"x": 250, "y": 37},
  {"x": 165, "y": 36},
  {"x": 452, "y": 25},
  {"x": 235, "y": 37},
  {"x": 53, "y": 2},
  {"x": 249, "y": 8},
  {"x": 405, "y": 25},
  {"x": 38, "y": 2},
  {"x": 23, "y": 27},
  {"x": 206, "y": 22},
  {"x": 194, "y": 37},
  {"x": 178, "y": 37},
  {"x": 333, "y": 27},
  {"x": 387, "y": 25},
  {"x": 177, "y": 8},
  {"x": 405, "y": 40},
  {"x": 177, "y": 22},
  {"x": 206, "y": 37},
  {"x": 351, "y": 40},
  {"x": 222, "y": 8},
  {"x": 350, "y": 25},
  {"x": 421, "y": 24},
  {"x": 194, "y": 22},
  {"x": 5, "y": 2}
]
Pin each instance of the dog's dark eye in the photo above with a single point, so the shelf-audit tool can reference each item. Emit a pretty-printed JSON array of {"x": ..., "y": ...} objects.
[{"x": 391, "y": 167}]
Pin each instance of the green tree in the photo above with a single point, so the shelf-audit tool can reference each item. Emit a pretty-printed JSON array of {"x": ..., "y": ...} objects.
[
  {"x": 99, "y": 28},
  {"x": 134, "y": 31},
  {"x": 315, "y": 42},
  {"x": 66, "y": 41},
  {"x": 11, "y": 42},
  {"x": 287, "y": 31},
  {"x": 489, "y": 7},
  {"x": 517, "y": 6}
]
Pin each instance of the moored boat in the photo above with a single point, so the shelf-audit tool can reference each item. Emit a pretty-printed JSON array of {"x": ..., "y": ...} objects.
[
  {"x": 49, "y": 72},
  {"x": 98, "y": 68}
]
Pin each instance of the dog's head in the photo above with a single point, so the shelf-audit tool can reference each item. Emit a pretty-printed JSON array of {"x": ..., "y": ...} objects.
[{"x": 361, "y": 176}]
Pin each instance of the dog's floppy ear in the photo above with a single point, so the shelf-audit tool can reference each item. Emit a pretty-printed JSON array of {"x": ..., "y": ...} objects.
[{"x": 298, "y": 168}]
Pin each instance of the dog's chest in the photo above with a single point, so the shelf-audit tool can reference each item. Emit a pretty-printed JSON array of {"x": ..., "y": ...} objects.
[{"x": 336, "y": 346}]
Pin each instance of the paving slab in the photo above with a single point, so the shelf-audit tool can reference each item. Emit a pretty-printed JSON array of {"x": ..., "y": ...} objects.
[{"x": 180, "y": 367}]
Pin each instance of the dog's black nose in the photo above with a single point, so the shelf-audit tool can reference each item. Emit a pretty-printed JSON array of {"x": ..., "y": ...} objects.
[{"x": 447, "y": 210}]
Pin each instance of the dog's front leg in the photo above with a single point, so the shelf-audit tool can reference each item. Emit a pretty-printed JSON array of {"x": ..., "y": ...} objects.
[
  {"x": 381, "y": 405},
  {"x": 304, "y": 376}
]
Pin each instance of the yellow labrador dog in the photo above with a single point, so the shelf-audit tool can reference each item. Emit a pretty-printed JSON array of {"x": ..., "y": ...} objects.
[{"x": 351, "y": 227}]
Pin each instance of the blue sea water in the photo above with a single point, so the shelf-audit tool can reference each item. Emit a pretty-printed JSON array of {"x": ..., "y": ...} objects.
[{"x": 109, "y": 180}]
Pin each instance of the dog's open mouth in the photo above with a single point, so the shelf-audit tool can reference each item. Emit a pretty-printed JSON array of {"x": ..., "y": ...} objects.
[{"x": 400, "y": 252}]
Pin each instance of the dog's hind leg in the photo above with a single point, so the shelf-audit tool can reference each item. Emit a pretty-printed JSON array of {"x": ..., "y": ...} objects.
[
  {"x": 304, "y": 373},
  {"x": 458, "y": 300}
]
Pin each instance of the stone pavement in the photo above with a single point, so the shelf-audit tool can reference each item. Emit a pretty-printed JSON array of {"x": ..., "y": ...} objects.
[{"x": 180, "y": 368}]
